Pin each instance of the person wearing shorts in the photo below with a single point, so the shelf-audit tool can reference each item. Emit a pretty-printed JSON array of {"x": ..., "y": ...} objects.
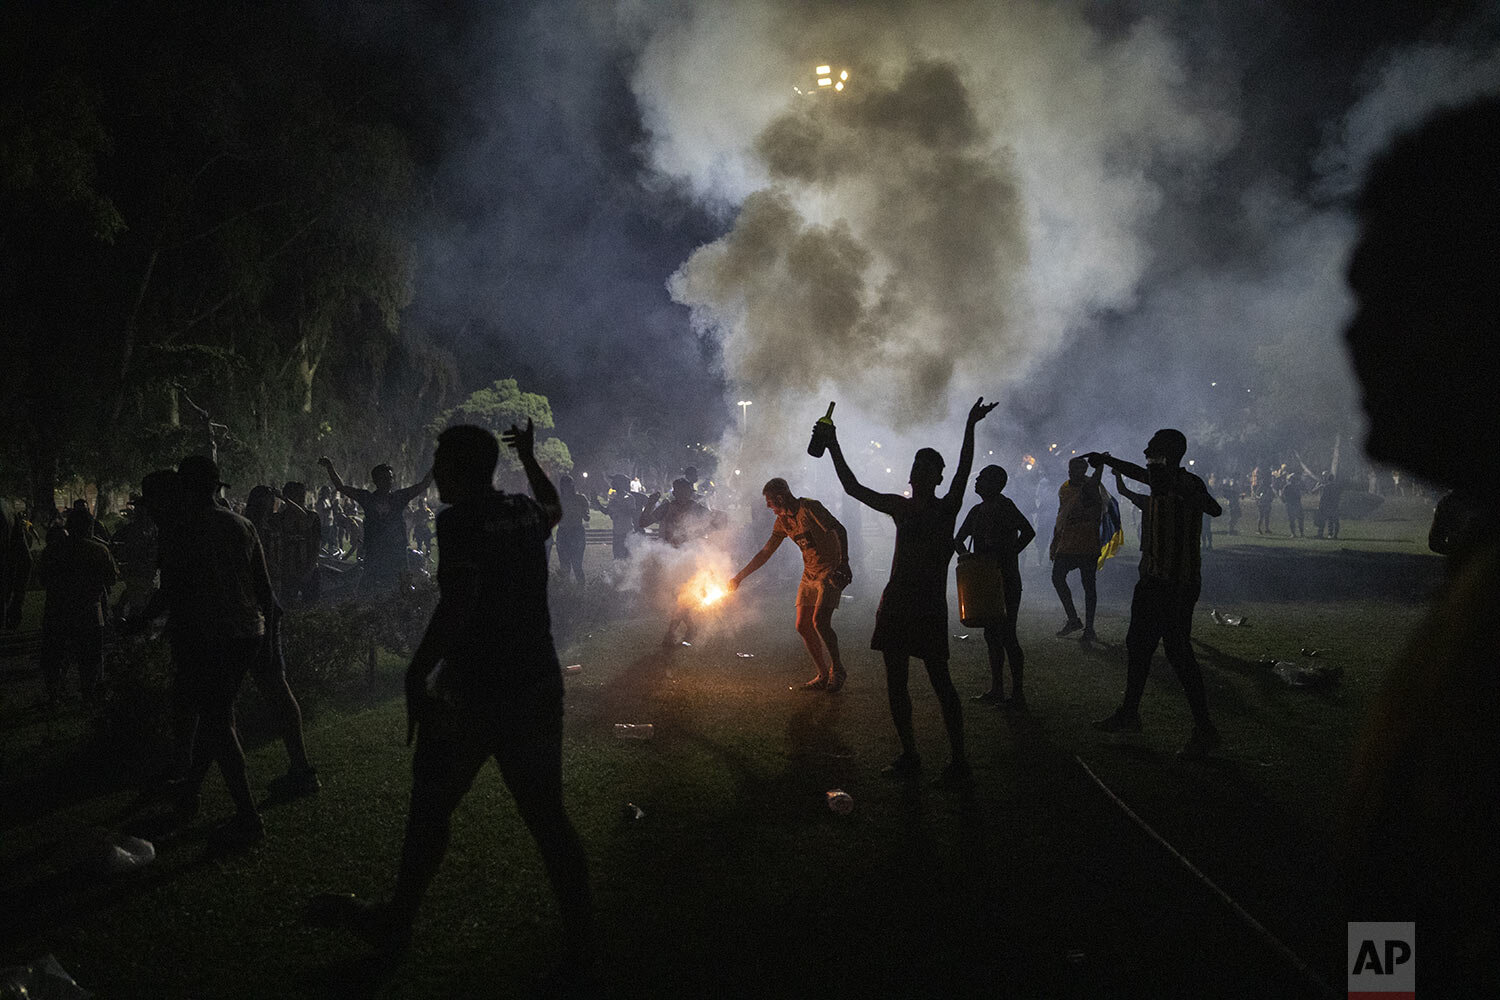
[{"x": 825, "y": 574}]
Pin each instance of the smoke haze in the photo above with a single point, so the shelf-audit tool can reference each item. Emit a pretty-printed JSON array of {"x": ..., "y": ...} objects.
[{"x": 1109, "y": 220}]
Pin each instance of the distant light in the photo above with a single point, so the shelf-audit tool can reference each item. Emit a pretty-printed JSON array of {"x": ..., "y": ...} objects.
[
  {"x": 1247, "y": 390},
  {"x": 1192, "y": 462},
  {"x": 844, "y": 75},
  {"x": 888, "y": 472},
  {"x": 823, "y": 70},
  {"x": 992, "y": 453},
  {"x": 736, "y": 472},
  {"x": 825, "y": 81},
  {"x": 838, "y": 86},
  {"x": 1213, "y": 383},
  {"x": 585, "y": 475}
]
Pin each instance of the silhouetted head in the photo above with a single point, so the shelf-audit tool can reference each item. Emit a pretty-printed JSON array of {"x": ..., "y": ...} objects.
[
  {"x": 1426, "y": 281},
  {"x": 1166, "y": 447},
  {"x": 990, "y": 482},
  {"x": 161, "y": 495},
  {"x": 199, "y": 477},
  {"x": 383, "y": 476},
  {"x": 295, "y": 492},
  {"x": 682, "y": 489},
  {"x": 79, "y": 524},
  {"x": 565, "y": 485},
  {"x": 464, "y": 464},
  {"x": 259, "y": 505},
  {"x": 690, "y": 473},
  {"x": 81, "y": 504},
  {"x": 1078, "y": 467},
  {"x": 926, "y": 470},
  {"x": 619, "y": 483},
  {"x": 779, "y": 496}
]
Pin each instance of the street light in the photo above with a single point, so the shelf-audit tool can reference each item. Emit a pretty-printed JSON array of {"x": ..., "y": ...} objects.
[{"x": 744, "y": 406}]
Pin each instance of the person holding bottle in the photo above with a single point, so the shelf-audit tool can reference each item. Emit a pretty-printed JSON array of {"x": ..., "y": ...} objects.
[{"x": 912, "y": 620}]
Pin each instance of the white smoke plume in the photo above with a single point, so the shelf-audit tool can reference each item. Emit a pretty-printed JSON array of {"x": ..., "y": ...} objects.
[{"x": 994, "y": 182}]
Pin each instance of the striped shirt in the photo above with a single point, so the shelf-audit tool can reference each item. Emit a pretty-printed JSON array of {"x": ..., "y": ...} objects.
[{"x": 1171, "y": 531}]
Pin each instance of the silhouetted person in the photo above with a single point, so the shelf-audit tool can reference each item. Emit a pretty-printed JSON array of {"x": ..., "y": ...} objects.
[
  {"x": 1161, "y": 611},
  {"x": 623, "y": 508},
  {"x": 485, "y": 682},
  {"x": 683, "y": 519},
  {"x": 1075, "y": 543},
  {"x": 1460, "y": 525},
  {"x": 1291, "y": 497},
  {"x": 825, "y": 574},
  {"x": 299, "y": 540},
  {"x": 15, "y": 566},
  {"x": 134, "y": 550},
  {"x": 269, "y": 668},
  {"x": 384, "y": 539},
  {"x": 1263, "y": 502},
  {"x": 912, "y": 620},
  {"x": 421, "y": 529},
  {"x": 1000, "y": 532},
  {"x": 1232, "y": 490},
  {"x": 219, "y": 601},
  {"x": 1330, "y": 502},
  {"x": 1423, "y": 825},
  {"x": 571, "y": 530},
  {"x": 77, "y": 571}
]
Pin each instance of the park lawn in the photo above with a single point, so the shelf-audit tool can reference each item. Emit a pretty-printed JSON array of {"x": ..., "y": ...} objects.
[{"x": 738, "y": 880}]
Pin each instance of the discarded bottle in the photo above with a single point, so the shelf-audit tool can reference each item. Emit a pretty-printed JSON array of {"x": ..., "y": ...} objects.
[
  {"x": 634, "y": 730},
  {"x": 840, "y": 801},
  {"x": 129, "y": 854},
  {"x": 822, "y": 433},
  {"x": 573, "y": 668}
]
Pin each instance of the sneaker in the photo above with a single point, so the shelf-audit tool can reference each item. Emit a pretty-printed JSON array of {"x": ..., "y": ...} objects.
[
  {"x": 1204, "y": 739},
  {"x": 955, "y": 777},
  {"x": 1089, "y": 635},
  {"x": 905, "y": 766},
  {"x": 816, "y": 684},
  {"x": 992, "y": 695},
  {"x": 836, "y": 683},
  {"x": 1073, "y": 625},
  {"x": 1119, "y": 721}
]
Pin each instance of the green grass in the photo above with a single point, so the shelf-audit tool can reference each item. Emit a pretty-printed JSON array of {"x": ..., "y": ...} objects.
[{"x": 738, "y": 880}]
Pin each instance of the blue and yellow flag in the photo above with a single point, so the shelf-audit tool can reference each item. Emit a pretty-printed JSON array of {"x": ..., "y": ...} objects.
[{"x": 1111, "y": 530}]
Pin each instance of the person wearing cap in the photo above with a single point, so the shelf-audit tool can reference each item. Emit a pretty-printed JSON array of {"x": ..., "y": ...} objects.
[
  {"x": 219, "y": 602},
  {"x": 384, "y": 537},
  {"x": 1161, "y": 610}
]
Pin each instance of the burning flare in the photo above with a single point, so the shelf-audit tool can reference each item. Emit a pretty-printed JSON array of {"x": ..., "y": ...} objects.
[{"x": 706, "y": 588}]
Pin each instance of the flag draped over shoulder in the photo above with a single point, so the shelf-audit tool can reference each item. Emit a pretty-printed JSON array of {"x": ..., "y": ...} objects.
[{"x": 1111, "y": 530}]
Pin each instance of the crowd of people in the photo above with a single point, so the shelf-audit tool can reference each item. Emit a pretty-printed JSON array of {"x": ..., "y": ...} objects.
[{"x": 484, "y": 681}]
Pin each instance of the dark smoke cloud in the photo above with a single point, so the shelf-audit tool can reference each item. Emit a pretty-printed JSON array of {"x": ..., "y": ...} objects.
[{"x": 895, "y": 308}]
